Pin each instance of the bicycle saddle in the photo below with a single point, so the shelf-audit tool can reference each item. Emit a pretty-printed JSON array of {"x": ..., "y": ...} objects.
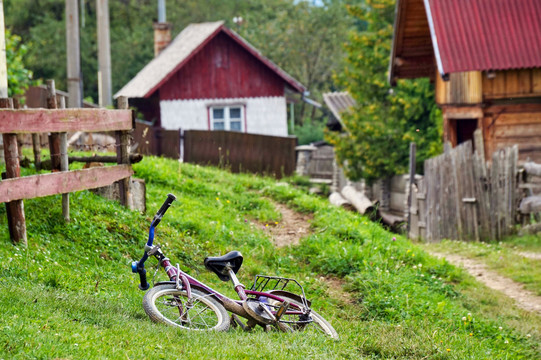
[{"x": 219, "y": 264}]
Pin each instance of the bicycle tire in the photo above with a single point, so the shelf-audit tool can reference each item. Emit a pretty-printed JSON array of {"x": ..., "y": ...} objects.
[
  {"x": 167, "y": 305},
  {"x": 319, "y": 324}
]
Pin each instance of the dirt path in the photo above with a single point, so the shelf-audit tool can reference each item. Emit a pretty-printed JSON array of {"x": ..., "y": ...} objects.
[
  {"x": 530, "y": 255},
  {"x": 291, "y": 229},
  {"x": 525, "y": 299}
]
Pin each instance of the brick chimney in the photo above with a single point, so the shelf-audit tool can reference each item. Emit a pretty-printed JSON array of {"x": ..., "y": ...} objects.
[{"x": 162, "y": 36}]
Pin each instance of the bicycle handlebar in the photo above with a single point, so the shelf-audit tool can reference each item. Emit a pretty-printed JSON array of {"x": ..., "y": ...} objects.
[
  {"x": 163, "y": 209},
  {"x": 139, "y": 266}
]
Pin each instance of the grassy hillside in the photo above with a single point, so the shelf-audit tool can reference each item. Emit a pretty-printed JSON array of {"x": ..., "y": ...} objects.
[{"x": 71, "y": 293}]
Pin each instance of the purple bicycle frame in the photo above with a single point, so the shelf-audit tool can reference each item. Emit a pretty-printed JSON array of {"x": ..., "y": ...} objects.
[{"x": 234, "y": 306}]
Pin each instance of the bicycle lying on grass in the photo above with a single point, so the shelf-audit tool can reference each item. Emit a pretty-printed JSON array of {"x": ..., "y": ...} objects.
[{"x": 189, "y": 304}]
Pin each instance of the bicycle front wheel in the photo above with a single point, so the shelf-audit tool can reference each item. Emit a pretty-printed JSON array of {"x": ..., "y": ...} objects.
[
  {"x": 313, "y": 323},
  {"x": 165, "y": 304}
]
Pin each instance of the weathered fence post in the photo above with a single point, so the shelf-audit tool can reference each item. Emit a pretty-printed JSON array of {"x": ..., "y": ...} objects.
[
  {"x": 36, "y": 148},
  {"x": 54, "y": 138},
  {"x": 64, "y": 163},
  {"x": 123, "y": 153},
  {"x": 15, "y": 209},
  {"x": 411, "y": 183}
]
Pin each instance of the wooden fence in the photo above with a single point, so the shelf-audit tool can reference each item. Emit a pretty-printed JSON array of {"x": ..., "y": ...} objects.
[
  {"x": 14, "y": 189},
  {"x": 461, "y": 197},
  {"x": 153, "y": 140},
  {"x": 272, "y": 155}
]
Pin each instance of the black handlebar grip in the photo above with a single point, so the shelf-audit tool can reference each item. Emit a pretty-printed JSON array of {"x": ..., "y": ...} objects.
[
  {"x": 143, "y": 278},
  {"x": 167, "y": 203}
]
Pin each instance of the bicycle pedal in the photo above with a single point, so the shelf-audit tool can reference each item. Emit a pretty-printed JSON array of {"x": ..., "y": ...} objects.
[{"x": 282, "y": 310}]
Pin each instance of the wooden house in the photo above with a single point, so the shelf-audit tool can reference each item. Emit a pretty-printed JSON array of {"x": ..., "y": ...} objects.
[
  {"x": 210, "y": 78},
  {"x": 485, "y": 59}
]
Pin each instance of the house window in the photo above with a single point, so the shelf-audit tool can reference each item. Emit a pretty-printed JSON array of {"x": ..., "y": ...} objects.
[{"x": 226, "y": 118}]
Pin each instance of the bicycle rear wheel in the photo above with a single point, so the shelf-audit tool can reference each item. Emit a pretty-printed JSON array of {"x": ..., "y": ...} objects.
[
  {"x": 165, "y": 304},
  {"x": 313, "y": 323}
]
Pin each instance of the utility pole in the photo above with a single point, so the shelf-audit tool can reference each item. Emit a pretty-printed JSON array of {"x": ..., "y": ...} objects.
[
  {"x": 3, "y": 63},
  {"x": 104, "y": 54},
  {"x": 3, "y": 70},
  {"x": 73, "y": 54}
]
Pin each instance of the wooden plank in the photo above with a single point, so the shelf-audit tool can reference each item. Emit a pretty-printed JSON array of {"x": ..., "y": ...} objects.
[
  {"x": 64, "y": 120},
  {"x": 455, "y": 195},
  {"x": 30, "y": 187},
  {"x": 536, "y": 81},
  {"x": 479, "y": 143},
  {"x": 411, "y": 183},
  {"x": 427, "y": 201},
  {"x": 525, "y": 81},
  {"x": 519, "y": 117},
  {"x": 519, "y": 131},
  {"x": 481, "y": 189},
  {"x": 511, "y": 82}
]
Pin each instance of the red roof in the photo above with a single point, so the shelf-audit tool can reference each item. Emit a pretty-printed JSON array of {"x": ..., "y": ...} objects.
[
  {"x": 183, "y": 48},
  {"x": 473, "y": 35}
]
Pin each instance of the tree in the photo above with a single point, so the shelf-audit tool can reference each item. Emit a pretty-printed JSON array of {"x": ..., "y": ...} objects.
[
  {"x": 19, "y": 77},
  {"x": 385, "y": 120},
  {"x": 305, "y": 40}
]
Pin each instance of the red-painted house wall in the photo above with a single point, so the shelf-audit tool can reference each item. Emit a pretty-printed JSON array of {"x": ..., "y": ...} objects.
[{"x": 222, "y": 69}]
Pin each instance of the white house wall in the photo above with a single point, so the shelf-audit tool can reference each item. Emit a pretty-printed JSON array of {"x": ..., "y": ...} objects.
[{"x": 264, "y": 115}]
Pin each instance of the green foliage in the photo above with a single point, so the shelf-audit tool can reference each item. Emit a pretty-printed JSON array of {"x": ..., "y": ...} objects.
[
  {"x": 19, "y": 77},
  {"x": 303, "y": 39},
  {"x": 71, "y": 293},
  {"x": 310, "y": 131},
  {"x": 386, "y": 119}
]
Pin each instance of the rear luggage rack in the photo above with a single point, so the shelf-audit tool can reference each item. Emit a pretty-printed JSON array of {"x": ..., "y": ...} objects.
[{"x": 268, "y": 283}]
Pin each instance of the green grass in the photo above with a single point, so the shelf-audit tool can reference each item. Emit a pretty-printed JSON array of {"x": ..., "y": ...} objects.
[
  {"x": 71, "y": 293},
  {"x": 502, "y": 257}
]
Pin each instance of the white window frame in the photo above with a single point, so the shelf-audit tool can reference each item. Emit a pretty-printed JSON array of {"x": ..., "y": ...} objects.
[{"x": 227, "y": 119}]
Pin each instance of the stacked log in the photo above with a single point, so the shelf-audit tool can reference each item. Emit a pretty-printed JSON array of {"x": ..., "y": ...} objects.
[
  {"x": 338, "y": 200},
  {"x": 352, "y": 199}
]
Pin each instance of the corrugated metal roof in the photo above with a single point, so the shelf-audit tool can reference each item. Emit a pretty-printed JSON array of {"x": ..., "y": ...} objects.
[
  {"x": 182, "y": 48},
  {"x": 474, "y": 35},
  {"x": 338, "y": 102}
]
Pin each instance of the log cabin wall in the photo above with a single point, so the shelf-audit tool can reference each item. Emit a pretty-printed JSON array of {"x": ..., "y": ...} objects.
[
  {"x": 505, "y": 125},
  {"x": 512, "y": 84},
  {"x": 506, "y": 105}
]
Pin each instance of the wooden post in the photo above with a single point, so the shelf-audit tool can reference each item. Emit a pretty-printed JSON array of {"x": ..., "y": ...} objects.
[
  {"x": 15, "y": 209},
  {"x": 64, "y": 163},
  {"x": 20, "y": 137},
  {"x": 36, "y": 148},
  {"x": 413, "y": 149},
  {"x": 123, "y": 154},
  {"x": 54, "y": 138}
]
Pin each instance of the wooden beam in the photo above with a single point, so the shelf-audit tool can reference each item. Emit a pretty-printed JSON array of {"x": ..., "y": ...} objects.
[
  {"x": 64, "y": 120},
  {"x": 30, "y": 187}
]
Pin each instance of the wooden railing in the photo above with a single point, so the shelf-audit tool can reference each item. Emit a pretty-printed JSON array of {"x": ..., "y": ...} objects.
[{"x": 14, "y": 189}]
